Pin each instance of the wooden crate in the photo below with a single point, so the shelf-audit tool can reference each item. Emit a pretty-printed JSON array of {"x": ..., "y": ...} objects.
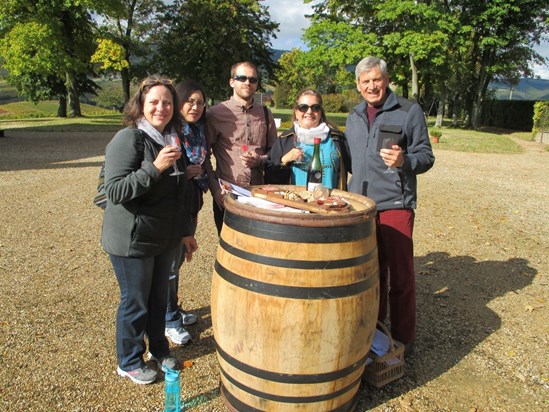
[{"x": 380, "y": 370}]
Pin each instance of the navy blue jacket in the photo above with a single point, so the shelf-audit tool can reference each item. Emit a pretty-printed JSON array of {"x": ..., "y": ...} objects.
[{"x": 400, "y": 118}]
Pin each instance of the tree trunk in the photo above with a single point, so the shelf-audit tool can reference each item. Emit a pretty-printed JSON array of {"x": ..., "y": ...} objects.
[
  {"x": 72, "y": 95},
  {"x": 415, "y": 83},
  {"x": 405, "y": 90},
  {"x": 441, "y": 105},
  {"x": 62, "y": 109},
  {"x": 126, "y": 84},
  {"x": 482, "y": 86}
]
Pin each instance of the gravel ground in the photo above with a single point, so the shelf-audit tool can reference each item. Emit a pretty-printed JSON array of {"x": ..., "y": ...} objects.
[{"x": 482, "y": 235}]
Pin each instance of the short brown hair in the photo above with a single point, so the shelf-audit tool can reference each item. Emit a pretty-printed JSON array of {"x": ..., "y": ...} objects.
[{"x": 249, "y": 64}]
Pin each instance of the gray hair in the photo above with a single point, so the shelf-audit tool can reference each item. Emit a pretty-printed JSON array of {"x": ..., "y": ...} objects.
[{"x": 368, "y": 63}]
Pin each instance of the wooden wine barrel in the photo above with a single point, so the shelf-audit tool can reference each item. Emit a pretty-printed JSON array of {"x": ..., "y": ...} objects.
[{"x": 294, "y": 306}]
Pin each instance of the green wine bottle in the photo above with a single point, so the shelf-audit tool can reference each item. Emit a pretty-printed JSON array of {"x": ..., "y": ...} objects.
[{"x": 314, "y": 172}]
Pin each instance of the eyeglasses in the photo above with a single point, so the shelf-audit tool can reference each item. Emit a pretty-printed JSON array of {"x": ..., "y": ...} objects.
[
  {"x": 197, "y": 103},
  {"x": 304, "y": 108},
  {"x": 242, "y": 78}
]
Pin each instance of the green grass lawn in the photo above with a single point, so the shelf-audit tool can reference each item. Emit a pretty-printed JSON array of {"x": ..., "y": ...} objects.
[
  {"x": 463, "y": 140},
  {"x": 7, "y": 92},
  {"x": 27, "y": 115},
  {"x": 42, "y": 116}
]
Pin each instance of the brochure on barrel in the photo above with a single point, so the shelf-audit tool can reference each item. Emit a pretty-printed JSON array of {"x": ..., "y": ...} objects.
[
  {"x": 244, "y": 196},
  {"x": 234, "y": 189}
]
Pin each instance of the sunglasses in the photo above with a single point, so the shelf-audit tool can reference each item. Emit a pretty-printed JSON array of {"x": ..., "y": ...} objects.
[
  {"x": 242, "y": 78},
  {"x": 155, "y": 81},
  {"x": 304, "y": 108}
]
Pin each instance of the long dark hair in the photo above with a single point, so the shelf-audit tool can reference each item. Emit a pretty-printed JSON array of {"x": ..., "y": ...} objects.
[
  {"x": 185, "y": 88},
  {"x": 133, "y": 111}
]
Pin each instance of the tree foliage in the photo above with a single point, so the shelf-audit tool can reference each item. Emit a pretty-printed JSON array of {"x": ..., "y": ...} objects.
[
  {"x": 202, "y": 39},
  {"x": 49, "y": 43},
  {"x": 110, "y": 55},
  {"x": 129, "y": 28},
  {"x": 438, "y": 47}
]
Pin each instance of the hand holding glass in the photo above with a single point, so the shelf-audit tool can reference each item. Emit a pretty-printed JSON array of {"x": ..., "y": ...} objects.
[
  {"x": 297, "y": 146},
  {"x": 388, "y": 143},
  {"x": 198, "y": 159},
  {"x": 173, "y": 140}
]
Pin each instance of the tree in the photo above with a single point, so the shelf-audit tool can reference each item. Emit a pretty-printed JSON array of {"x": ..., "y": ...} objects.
[
  {"x": 50, "y": 42},
  {"x": 202, "y": 39},
  {"x": 126, "y": 39},
  {"x": 500, "y": 37},
  {"x": 291, "y": 77},
  {"x": 435, "y": 45}
]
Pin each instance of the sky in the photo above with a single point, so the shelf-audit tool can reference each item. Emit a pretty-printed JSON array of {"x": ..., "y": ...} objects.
[{"x": 290, "y": 14}]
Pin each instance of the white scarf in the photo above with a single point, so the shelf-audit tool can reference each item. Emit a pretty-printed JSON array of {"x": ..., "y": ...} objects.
[
  {"x": 306, "y": 136},
  {"x": 160, "y": 138}
]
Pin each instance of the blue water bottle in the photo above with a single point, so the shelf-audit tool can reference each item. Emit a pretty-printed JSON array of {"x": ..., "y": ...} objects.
[{"x": 172, "y": 401}]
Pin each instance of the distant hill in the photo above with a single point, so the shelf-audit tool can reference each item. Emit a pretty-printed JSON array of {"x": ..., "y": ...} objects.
[
  {"x": 527, "y": 89},
  {"x": 277, "y": 53}
]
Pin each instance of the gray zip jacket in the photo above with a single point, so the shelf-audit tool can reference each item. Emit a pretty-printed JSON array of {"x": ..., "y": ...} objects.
[
  {"x": 400, "y": 118},
  {"x": 146, "y": 212}
]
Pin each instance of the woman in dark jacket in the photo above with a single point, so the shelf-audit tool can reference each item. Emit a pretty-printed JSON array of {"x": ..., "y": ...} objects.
[
  {"x": 145, "y": 220},
  {"x": 290, "y": 155},
  {"x": 192, "y": 106}
]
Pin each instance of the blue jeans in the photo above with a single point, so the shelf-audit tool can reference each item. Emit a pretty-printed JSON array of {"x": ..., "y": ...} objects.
[
  {"x": 143, "y": 286},
  {"x": 173, "y": 316}
]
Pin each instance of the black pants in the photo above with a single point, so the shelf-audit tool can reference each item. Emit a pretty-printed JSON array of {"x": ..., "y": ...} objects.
[{"x": 219, "y": 214}]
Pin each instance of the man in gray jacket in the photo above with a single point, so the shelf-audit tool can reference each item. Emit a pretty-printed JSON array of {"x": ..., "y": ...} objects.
[{"x": 389, "y": 146}]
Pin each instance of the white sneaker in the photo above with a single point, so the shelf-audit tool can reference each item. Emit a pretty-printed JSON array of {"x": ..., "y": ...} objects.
[
  {"x": 188, "y": 318},
  {"x": 178, "y": 336}
]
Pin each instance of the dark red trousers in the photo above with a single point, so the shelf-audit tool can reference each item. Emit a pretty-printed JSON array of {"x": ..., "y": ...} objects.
[{"x": 396, "y": 271}]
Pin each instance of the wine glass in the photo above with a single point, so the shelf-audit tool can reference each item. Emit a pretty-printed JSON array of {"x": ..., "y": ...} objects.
[
  {"x": 388, "y": 143},
  {"x": 173, "y": 140},
  {"x": 198, "y": 157},
  {"x": 297, "y": 145}
]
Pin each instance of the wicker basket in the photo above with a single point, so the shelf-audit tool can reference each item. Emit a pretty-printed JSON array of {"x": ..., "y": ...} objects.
[{"x": 380, "y": 370}]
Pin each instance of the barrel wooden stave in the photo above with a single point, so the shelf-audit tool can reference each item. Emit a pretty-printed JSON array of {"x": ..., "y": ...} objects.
[{"x": 293, "y": 321}]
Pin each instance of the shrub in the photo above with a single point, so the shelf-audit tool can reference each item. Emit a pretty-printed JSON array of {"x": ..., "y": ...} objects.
[
  {"x": 110, "y": 97},
  {"x": 333, "y": 103},
  {"x": 541, "y": 117},
  {"x": 435, "y": 132},
  {"x": 351, "y": 99}
]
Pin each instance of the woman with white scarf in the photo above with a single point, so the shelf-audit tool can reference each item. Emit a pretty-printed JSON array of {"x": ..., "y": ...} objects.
[
  {"x": 291, "y": 153},
  {"x": 145, "y": 220}
]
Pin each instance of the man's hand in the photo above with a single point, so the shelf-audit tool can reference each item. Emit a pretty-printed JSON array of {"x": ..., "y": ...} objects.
[
  {"x": 189, "y": 242},
  {"x": 393, "y": 157},
  {"x": 250, "y": 160}
]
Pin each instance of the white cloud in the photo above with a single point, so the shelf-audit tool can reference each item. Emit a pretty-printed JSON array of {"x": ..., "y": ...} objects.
[
  {"x": 290, "y": 14},
  {"x": 542, "y": 71}
]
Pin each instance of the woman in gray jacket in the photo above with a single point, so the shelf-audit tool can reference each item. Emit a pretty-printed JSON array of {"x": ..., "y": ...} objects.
[{"x": 144, "y": 221}]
